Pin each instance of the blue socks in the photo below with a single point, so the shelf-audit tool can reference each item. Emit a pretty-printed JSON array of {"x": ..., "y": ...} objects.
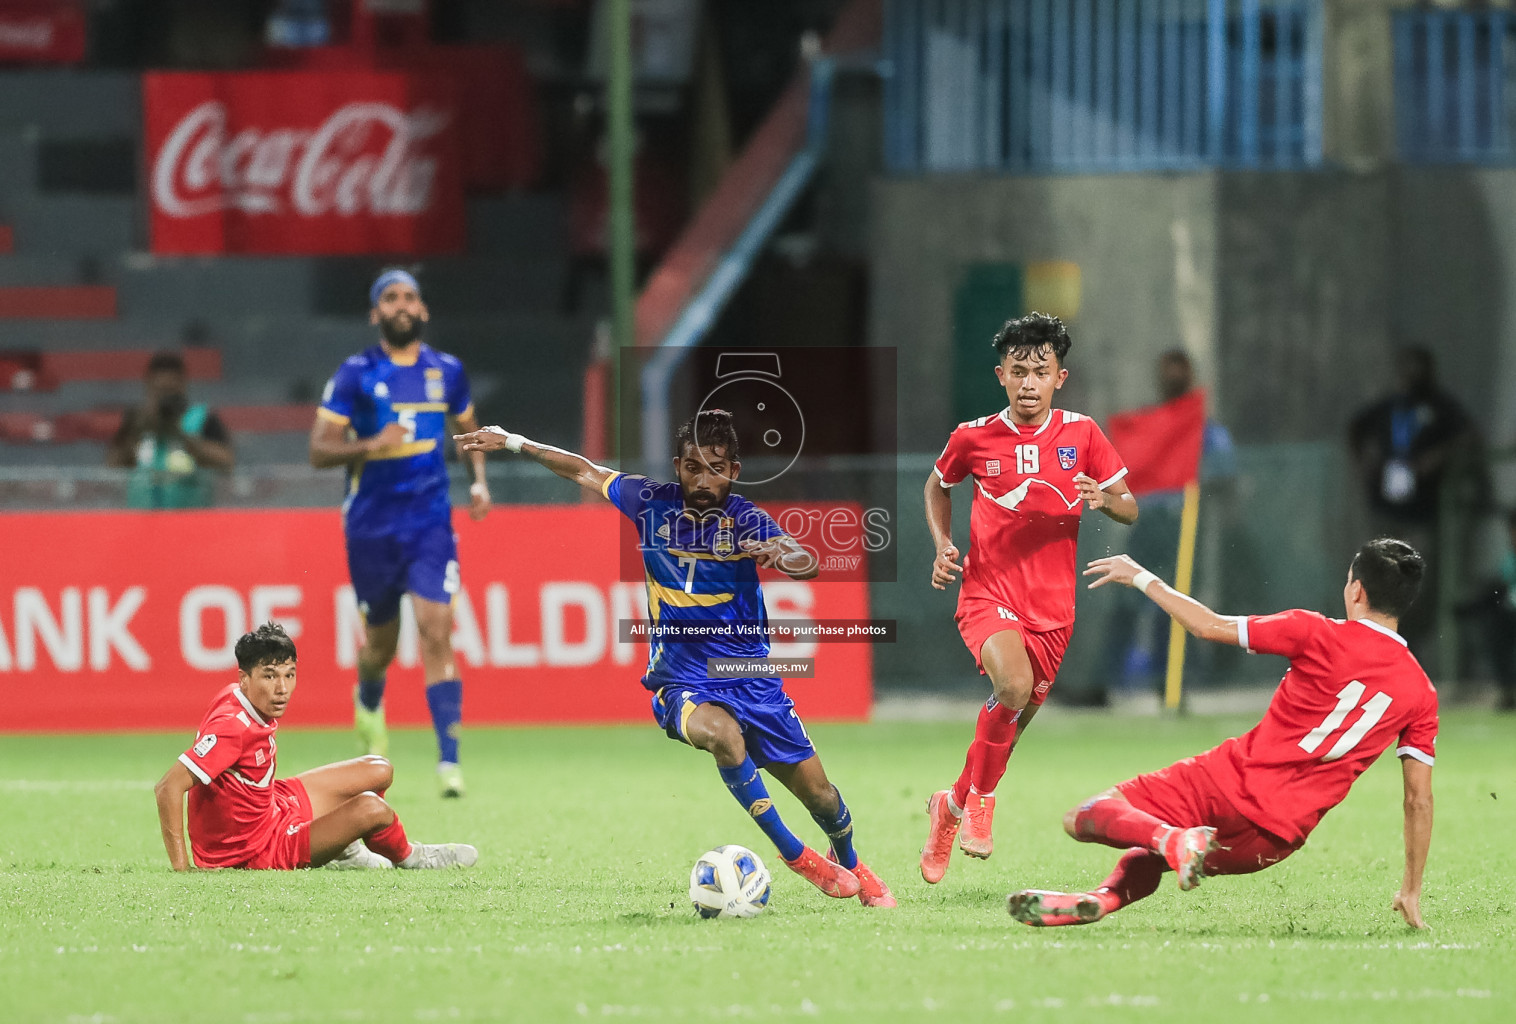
[
  {"x": 839, "y": 830},
  {"x": 445, "y": 698},
  {"x": 371, "y": 693},
  {"x": 743, "y": 782}
]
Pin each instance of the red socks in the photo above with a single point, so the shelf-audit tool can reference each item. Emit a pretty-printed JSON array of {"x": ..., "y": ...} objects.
[
  {"x": 390, "y": 842},
  {"x": 984, "y": 767},
  {"x": 1115, "y": 822},
  {"x": 1137, "y": 875}
]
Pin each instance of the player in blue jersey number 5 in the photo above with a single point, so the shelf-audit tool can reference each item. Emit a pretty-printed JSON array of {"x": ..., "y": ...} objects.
[
  {"x": 702, "y": 547},
  {"x": 385, "y": 417}
]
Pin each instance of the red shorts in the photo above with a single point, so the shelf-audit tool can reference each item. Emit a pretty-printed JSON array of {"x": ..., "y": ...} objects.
[
  {"x": 1184, "y": 795},
  {"x": 290, "y": 845},
  {"x": 980, "y": 618}
]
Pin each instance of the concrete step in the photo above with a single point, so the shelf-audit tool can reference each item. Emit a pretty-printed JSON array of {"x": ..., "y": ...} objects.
[
  {"x": 19, "y": 269},
  {"x": 72, "y": 103},
  {"x": 76, "y": 225}
]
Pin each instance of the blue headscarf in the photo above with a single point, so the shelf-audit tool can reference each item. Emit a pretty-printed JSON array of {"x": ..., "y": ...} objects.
[{"x": 386, "y": 279}]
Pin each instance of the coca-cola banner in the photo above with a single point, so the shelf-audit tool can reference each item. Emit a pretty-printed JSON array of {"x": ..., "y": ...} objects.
[
  {"x": 126, "y": 620},
  {"x": 298, "y": 162}
]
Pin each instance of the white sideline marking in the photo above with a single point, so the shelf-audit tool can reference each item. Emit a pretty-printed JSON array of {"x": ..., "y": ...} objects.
[{"x": 72, "y": 785}]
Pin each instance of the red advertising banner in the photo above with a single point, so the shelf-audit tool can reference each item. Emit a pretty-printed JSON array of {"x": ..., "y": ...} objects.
[
  {"x": 125, "y": 621},
  {"x": 42, "y": 31},
  {"x": 303, "y": 163}
]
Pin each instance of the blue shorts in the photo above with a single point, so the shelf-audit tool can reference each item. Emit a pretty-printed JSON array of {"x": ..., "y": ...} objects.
[
  {"x": 771, "y": 728},
  {"x": 423, "y": 562}
]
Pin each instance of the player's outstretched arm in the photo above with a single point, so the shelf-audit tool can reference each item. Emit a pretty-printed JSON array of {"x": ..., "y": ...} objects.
[
  {"x": 170, "y": 791},
  {"x": 939, "y": 520},
  {"x": 566, "y": 464},
  {"x": 1417, "y": 777},
  {"x": 1191, "y": 614},
  {"x": 786, "y": 554}
]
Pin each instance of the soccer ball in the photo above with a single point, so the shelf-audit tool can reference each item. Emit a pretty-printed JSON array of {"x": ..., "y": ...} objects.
[{"x": 730, "y": 881}]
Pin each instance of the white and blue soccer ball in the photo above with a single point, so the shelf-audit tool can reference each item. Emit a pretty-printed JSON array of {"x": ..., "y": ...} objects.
[{"x": 729, "y": 881}]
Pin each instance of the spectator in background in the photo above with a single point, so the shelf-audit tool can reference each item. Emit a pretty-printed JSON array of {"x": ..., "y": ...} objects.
[
  {"x": 1137, "y": 632},
  {"x": 1403, "y": 446},
  {"x": 169, "y": 443}
]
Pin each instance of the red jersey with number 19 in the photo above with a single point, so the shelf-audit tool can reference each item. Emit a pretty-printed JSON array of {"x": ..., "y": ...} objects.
[
  {"x": 1024, "y": 529},
  {"x": 1352, "y": 690}
]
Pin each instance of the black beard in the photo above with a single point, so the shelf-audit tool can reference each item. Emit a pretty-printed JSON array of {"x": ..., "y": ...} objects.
[{"x": 397, "y": 336}]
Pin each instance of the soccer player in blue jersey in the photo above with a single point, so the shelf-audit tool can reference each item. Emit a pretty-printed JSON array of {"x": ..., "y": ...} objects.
[
  {"x": 702, "y": 547},
  {"x": 385, "y": 417}
]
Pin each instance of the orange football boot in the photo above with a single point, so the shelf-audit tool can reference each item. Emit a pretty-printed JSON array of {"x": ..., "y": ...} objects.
[
  {"x": 872, "y": 892},
  {"x": 832, "y": 879},
  {"x": 978, "y": 817},
  {"x": 939, "y": 839}
]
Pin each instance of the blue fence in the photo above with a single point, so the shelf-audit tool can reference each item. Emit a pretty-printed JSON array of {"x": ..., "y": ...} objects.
[
  {"x": 1101, "y": 85},
  {"x": 1453, "y": 77}
]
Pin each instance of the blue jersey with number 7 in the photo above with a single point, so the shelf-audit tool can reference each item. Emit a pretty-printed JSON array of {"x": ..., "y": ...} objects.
[{"x": 698, "y": 576}]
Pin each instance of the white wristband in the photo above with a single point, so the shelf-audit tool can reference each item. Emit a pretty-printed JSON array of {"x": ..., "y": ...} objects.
[
  {"x": 1143, "y": 580},
  {"x": 513, "y": 442},
  {"x": 478, "y": 490}
]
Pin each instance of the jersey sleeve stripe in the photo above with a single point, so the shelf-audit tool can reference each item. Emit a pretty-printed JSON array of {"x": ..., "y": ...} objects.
[
  {"x": 468, "y": 411},
  {"x": 605, "y": 486},
  {"x": 943, "y": 481},
  {"x": 1119, "y": 474},
  {"x": 1415, "y": 754},
  {"x": 1242, "y": 633},
  {"x": 195, "y": 769},
  {"x": 334, "y": 417}
]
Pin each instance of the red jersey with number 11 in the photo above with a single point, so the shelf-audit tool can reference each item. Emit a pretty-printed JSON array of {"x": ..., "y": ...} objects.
[
  {"x": 1024, "y": 530},
  {"x": 1352, "y": 690}
]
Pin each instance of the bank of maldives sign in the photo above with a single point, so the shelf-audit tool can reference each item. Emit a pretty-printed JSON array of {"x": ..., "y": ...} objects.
[{"x": 295, "y": 162}]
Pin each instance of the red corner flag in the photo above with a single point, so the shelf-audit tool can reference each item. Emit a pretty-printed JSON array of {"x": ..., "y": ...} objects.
[{"x": 1161, "y": 444}]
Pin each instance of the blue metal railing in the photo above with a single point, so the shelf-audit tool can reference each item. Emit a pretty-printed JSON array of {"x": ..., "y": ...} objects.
[
  {"x": 1101, "y": 85},
  {"x": 1454, "y": 72}
]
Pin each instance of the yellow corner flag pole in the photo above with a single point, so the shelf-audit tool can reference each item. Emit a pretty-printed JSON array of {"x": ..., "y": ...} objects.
[{"x": 1189, "y": 520}]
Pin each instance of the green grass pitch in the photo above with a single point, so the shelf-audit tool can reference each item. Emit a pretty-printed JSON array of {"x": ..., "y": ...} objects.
[{"x": 578, "y": 910}]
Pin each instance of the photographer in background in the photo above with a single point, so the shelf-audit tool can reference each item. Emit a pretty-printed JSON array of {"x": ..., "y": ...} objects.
[{"x": 169, "y": 443}]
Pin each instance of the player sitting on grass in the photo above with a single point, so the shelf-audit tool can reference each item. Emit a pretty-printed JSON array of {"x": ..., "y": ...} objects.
[
  {"x": 702, "y": 547},
  {"x": 242, "y": 817},
  {"x": 1351, "y": 691}
]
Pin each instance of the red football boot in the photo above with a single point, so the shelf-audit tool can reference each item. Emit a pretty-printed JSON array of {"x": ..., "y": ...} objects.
[
  {"x": 978, "y": 818},
  {"x": 872, "y": 892},
  {"x": 832, "y": 879},
  {"x": 939, "y": 839},
  {"x": 1042, "y": 909},
  {"x": 1186, "y": 851}
]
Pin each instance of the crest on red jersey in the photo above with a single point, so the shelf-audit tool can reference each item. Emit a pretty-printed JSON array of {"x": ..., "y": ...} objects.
[
  {"x": 1067, "y": 456},
  {"x": 992, "y": 468}
]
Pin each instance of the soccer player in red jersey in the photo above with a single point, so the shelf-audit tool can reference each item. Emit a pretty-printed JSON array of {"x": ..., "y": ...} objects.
[
  {"x": 1352, "y": 691},
  {"x": 1035, "y": 469},
  {"x": 240, "y": 816}
]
